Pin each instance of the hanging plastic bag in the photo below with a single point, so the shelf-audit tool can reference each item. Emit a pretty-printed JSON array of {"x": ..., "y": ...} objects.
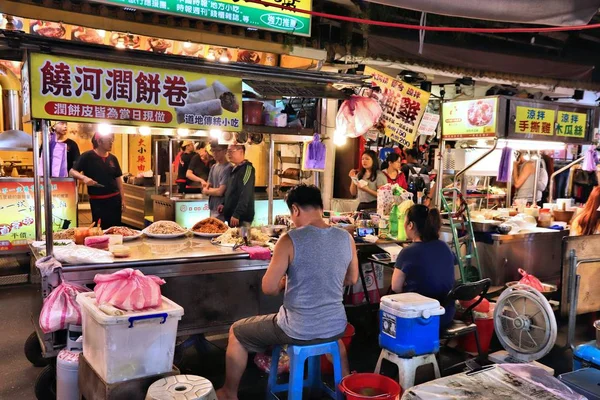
[
  {"x": 530, "y": 280},
  {"x": 128, "y": 289},
  {"x": 357, "y": 115},
  {"x": 263, "y": 362},
  {"x": 47, "y": 265},
  {"x": 60, "y": 308},
  {"x": 385, "y": 199}
]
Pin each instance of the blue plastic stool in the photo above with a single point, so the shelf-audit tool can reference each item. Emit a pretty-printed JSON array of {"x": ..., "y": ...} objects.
[{"x": 298, "y": 355}]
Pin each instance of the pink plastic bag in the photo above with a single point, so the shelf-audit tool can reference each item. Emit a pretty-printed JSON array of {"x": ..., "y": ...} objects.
[
  {"x": 530, "y": 280},
  {"x": 128, "y": 289},
  {"x": 257, "y": 252},
  {"x": 263, "y": 362},
  {"x": 357, "y": 115},
  {"x": 60, "y": 308}
]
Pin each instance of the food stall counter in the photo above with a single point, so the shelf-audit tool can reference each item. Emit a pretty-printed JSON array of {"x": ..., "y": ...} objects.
[
  {"x": 537, "y": 251},
  {"x": 215, "y": 285}
]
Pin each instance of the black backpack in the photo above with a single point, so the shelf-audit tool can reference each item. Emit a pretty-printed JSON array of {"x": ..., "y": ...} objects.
[{"x": 420, "y": 181}]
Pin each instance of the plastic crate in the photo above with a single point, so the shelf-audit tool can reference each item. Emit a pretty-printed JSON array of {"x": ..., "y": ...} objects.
[{"x": 130, "y": 346}]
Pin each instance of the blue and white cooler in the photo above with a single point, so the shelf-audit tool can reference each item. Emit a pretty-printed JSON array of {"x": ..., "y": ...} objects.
[{"x": 409, "y": 324}]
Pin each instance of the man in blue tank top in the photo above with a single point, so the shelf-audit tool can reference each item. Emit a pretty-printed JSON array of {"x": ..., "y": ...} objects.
[{"x": 311, "y": 265}]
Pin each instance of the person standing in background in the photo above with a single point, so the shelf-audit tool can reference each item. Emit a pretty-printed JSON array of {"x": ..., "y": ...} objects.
[
  {"x": 238, "y": 208},
  {"x": 58, "y": 137},
  {"x": 183, "y": 163},
  {"x": 366, "y": 181},
  {"x": 60, "y": 129},
  {"x": 218, "y": 176},
  {"x": 101, "y": 172},
  {"x": 197, "y": 172},
  {"x": 391, "y": 168}
]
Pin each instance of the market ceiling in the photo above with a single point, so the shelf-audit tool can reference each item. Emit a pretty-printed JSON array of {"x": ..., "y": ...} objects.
[
  {"x": 539, "y": 12},
  {"x": 14, "y": 43}
]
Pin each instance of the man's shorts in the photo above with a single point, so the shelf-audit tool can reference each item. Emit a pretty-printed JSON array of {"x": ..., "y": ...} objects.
[{"x": 258, "y": 333}]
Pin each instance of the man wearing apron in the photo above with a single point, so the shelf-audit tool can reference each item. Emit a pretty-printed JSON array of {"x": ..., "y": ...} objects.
[{"x": 101, "y": 172}]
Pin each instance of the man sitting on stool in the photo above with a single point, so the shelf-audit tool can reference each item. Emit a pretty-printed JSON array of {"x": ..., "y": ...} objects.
[{"x": 311, "y": 264}]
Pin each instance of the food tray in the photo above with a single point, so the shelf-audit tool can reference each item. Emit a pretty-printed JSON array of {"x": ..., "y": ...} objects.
[
  {"x": 206, "y": 235},
  {"x": 548, "y": 292},
  {"x": 485, "y": 226},
  {"x": 164, "y": 236}
]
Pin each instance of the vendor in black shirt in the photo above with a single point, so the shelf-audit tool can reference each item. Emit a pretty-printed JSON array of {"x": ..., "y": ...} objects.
[
  {"x": 197, "y": 173},
  {"x": 101, "y": 172},
  {"x": 187, "y": 148}
]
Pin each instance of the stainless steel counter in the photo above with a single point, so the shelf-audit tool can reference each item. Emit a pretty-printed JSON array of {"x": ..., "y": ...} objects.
[
  {"x": 215, "y": 285},
  {"x": 538, "y": 253}
]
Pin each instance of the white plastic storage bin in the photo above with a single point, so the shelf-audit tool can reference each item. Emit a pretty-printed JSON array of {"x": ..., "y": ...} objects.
[
  {"x": 410, "y": 324},
  {"x": 129, "y": 346}
]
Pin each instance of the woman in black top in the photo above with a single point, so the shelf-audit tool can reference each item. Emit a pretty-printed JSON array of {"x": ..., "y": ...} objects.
[
  {"x": 101, "y": 172},
  {"x": 184, "y": 162}
]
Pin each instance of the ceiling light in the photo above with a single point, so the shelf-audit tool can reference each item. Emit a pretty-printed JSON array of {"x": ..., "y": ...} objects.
[
  {"x": 144, "y": 130},
  {"x": 216, "y": 133},
  {"x": 101, "y": 32},
  {"x": 183, "y": 132},
  {"x": 187, "y": 44},
  {"x": 224, "y": 58},
  {"x": 339, "y": 138},
  {"x": 120, "y": 43},
  {"x": 211, "y": 57},
  {"x": 104, "y": 129}
]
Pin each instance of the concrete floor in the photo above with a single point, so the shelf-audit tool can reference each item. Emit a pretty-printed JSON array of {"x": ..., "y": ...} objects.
[{"x": 17, "y": 375}]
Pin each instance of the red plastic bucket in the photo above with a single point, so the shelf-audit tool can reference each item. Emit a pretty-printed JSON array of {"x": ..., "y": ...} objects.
[
  {"x": 370, "y": 386},
  {"x": 326, "y": 366},
  {"x": 485, "y": 330}
]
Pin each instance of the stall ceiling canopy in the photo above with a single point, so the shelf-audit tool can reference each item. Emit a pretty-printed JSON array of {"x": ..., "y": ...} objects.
[
  {"x": 540, "y": 12},
  {"x": 277, "y": 89}
]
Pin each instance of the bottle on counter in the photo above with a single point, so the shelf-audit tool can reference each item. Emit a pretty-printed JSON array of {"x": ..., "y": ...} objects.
[{"x": 394, "y": 218}]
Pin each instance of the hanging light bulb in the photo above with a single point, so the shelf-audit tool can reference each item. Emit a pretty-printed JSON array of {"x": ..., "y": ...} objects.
[
  {"x": 224, "y": 58},
  {"x": 183, "y": 132},
  {"x": 339, "y": 138},
  {"x": 144, "y": 130},
  {"x": 216, "y": 133},
  {"x": 104, "y": 129},
  {"x": 120, "y": 42},
  {"x": 211, "y": 57}
]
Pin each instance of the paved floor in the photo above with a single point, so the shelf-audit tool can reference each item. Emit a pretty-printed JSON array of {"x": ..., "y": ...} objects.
[{"x": 17, "y": 375}]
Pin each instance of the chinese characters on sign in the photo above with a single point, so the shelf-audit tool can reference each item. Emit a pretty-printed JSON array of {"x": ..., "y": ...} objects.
[
  {"x": 17, "y": 210},
  {"x": 571, "y": 124},
  {"x": 403, "y": 106},
  {"x": 95, "y": 91},
  {"x": 238, "y": 12},
  {"x": 139, "y": 153},
  {"x": 535, "y": 121}
]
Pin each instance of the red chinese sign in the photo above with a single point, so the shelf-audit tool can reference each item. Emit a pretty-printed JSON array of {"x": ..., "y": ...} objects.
[{"x": 140, "y": 159}]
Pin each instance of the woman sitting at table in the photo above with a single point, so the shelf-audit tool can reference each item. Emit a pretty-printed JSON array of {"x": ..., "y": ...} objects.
[
  {"x": 391, "y": 168},
  {"x": 588, "y": 222},
  {"x": 427, "y": 265},
  {"x": 366, "y": 181}
]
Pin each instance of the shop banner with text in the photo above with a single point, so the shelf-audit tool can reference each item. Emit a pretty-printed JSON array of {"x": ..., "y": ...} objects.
[
  {"x": 470, "y": 118},
  {"x": 140, "y": 156},
  {"x": 403, "y": 106},
  {"x": 17, "y": 223},
  {"x": 70, "y": 89},
  {"x": 535, "y": 121},
  {"x": 237, "y": 12},
  {"x": 571, "y": 124}
]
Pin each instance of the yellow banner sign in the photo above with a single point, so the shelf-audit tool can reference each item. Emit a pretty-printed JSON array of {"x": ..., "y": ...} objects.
[
  {"x": 535, "y": 121},
  {"x": 17, "y": 224},
  {"x": 470, "y": 118},
  {"x": 140, "y": 154},
  {"x": 571, "y": 124},
  {"x": 403, "y": 106},
  {"x": 70, "y": 89}
]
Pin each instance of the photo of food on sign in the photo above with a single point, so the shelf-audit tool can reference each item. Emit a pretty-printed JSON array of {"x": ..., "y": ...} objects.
[
  {"x": 190, "y": 49},
  {"x": 88, "y": 92},
  {"x": 54, "y": 30},
  {"x": 88, "y": 35},
  {"x": 161, "y": 46}
]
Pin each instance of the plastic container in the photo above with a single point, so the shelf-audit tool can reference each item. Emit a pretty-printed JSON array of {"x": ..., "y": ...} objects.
[
  {"x": 585, "y": 382},
  {"x": 409, "y": 324},
  {"x": 67, "y": 370},
  {"x": 485, "y": 330},
  {"x": 130, "y": 346},
  {"x": 326, "y": 366},
  {"x": 394, "y": 221},
  {"x": 586, "y": 355},
  {"x": 370, "y": 386}
]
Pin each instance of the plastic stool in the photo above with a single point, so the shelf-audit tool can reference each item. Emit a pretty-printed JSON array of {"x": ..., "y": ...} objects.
[
  {"x": 407, "y": 367},
  {"x": 298, "y": 355},
  {"x": 182, "y": 387}
]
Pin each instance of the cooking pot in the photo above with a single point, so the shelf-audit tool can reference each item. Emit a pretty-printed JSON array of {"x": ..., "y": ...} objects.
[{"x": 253, "y": 112}]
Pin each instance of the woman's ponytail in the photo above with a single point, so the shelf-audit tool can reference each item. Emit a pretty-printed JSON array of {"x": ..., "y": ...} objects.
[{"x": 427, "y": 221}]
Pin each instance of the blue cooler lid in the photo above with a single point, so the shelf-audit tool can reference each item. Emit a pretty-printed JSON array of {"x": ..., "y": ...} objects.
[
  {"x": 588, "y": 352},
  {"x": 411, "y": 305}
]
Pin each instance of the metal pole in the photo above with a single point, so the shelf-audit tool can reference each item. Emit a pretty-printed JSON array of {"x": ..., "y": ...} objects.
[
  {"x": 440, "y": 174},
  {"x": 509, "y": 189},
  {"x": 171, "y": 167},
  {"x": 468, "y": 167},
  {"x": 572, "y": 292},
  {"x": 37, "y": 201},
  {"x": 270, "y": 183},
  {"x": 535, "y": 181},
  {"x": 156, "y": 181},
  {"x": 566, "y": 167},
  {"x": 47, "y": 170}
]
